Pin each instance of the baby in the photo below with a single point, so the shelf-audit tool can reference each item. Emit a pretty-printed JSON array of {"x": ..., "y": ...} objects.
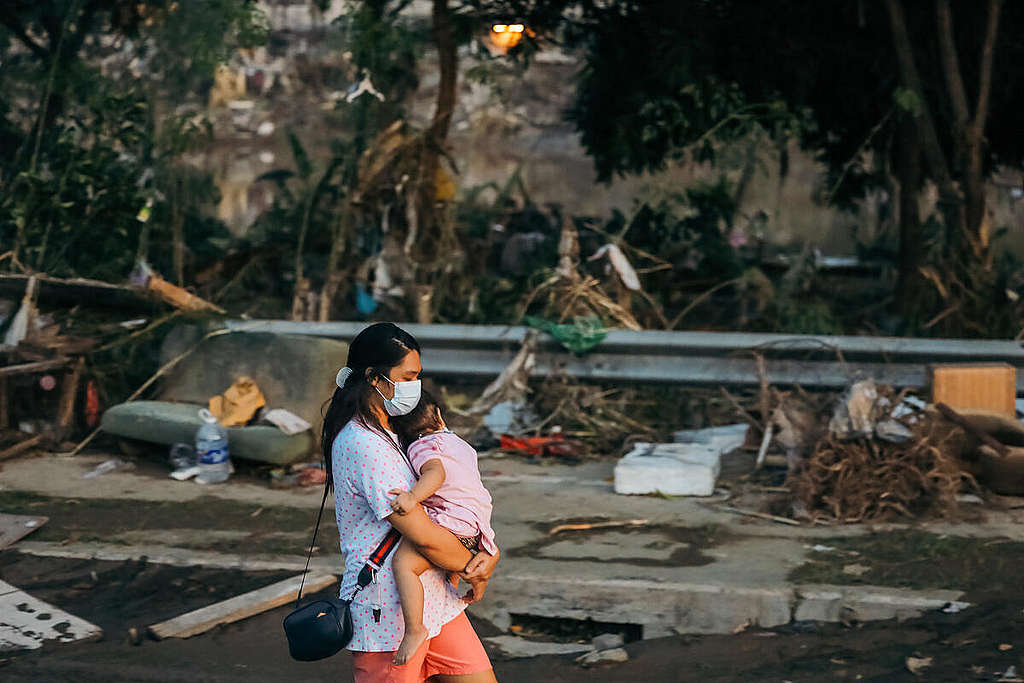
[{"x": 453, "y": 496}]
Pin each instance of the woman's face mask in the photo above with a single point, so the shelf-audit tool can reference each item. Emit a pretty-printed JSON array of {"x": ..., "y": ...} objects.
[{"x": 407, "y": 395}]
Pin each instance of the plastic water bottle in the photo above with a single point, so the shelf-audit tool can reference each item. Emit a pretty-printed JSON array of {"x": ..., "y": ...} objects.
[{"x": 212, "y": 450}]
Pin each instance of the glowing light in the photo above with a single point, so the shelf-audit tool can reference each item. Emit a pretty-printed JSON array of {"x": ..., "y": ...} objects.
[{"x": 499, "y": 28}]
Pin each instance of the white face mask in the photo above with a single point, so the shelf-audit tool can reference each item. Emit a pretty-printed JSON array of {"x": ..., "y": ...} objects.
[{"x": 407, "y": 395}]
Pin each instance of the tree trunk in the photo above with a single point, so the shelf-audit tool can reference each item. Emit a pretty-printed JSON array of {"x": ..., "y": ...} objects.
[{"x": 908, "y": 218}]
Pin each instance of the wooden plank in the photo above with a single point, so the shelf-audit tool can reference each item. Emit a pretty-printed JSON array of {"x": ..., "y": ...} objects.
[
  {"x": 27, "y": 622},
  {"x": 68, "y": 394},
  {"x": 239, "y": 607},
  {"x": 15, "y": 527},
  {"x": 40, "y": 366}
]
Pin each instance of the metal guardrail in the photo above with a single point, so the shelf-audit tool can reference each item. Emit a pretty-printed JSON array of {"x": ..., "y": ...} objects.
[{"x": 683, "y": 357}]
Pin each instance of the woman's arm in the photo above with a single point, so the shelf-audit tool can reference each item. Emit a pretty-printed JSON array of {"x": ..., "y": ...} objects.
[{"x": 437, "y": 544}]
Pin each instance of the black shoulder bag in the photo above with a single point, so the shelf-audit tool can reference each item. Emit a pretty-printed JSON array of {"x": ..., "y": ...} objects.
[{"x": 324, "y": 627}]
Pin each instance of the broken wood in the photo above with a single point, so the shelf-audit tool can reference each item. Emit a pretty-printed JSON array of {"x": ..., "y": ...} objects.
[
  {"x": 15, "y": 527},
  {"x": 766, "y": 440},
  {"x": 38, "y": 366},
  {"x": 179, "y": 297},
  {"x": 20, "y": 448},
  {"x": 962, "y": 422},
  {"x": 239, "y": 607},
  {"x": 69, "y": 391},
  {"x": 586, "y": 526}
]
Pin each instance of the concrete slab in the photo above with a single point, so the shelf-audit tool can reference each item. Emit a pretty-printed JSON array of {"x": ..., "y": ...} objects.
[
  {"x": 514, "y": 646},
  {"x": 27, "y": 622},
  {"x": 867, "y": 603}
]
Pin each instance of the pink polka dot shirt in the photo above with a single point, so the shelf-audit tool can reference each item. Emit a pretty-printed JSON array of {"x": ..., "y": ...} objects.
[{"x": 366, "y": 466}]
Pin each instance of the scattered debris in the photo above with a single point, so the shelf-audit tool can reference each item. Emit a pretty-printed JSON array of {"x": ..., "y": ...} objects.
[
  {"x": 553, "y": 445},
  {"x": 238, "y": 404},
  {"x": 287, "y": 421},
  {"x": 917, "y": 665},
  {"x": 954, "y": 607},
  {"x": 512, "y": 383},
  {"x": 614, "y": 656},
  {"x": 509, "y": 417},
  {"x": 27, "y": 622},
  {"x": 104, "y": 467},
  {"x": 856, "y": 569},
  {"x": 607, "y": 641},
  {"x": 1010, "y": 676},
  {"x": 239, "y": 607}
]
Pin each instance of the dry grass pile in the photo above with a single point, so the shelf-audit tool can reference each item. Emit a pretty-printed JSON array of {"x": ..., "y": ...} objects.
[
  {"x": 598, "y": 418},
  {"x": 868, "y": 479}
]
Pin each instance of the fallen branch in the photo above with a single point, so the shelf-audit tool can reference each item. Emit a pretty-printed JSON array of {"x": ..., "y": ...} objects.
[
  {"x": 766, "y": 440},
  {"x": 965, "y": 424},
  {"x": 585, "y": 526},
  {"x": 759, "y": 515},
  {"x": 20, "y": 448}
]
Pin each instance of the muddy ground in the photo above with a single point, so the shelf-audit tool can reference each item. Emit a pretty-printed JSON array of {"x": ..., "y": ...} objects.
[{"x": 980, "y": 643}]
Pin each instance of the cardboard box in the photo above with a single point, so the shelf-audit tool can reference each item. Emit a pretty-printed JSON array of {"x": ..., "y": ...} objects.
[{"x": 980, "y": 386}]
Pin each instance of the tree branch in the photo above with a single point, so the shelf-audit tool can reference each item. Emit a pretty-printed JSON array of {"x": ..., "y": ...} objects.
[
  {"x": 985, "y": 74},
  {"x": 14, "y": 25},
  {"x": 951, "y": 65},
  {"x": 912, "y": 80}
]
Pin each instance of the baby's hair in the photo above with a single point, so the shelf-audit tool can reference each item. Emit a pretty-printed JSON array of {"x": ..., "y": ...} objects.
[{"x": 424, "y": 418}]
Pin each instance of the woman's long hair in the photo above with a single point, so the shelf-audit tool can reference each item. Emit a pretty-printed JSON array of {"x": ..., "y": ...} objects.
[{"x": 373, "y": 353}]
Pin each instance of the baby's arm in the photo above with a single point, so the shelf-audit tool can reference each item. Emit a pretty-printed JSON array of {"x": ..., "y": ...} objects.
[{"x": 432, "y": 476}]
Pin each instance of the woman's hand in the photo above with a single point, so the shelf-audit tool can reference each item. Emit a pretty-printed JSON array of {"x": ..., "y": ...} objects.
[{"x": 481, "y": 567}]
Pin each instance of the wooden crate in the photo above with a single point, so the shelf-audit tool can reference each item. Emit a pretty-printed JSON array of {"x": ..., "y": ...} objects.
[{"x": 983, "y": 386}]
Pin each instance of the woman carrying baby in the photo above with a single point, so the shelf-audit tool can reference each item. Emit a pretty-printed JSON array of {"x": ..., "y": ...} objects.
[{"x": 365, "y": 462}]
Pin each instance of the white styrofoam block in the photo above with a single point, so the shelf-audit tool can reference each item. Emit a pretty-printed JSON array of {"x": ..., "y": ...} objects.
[
  {"x": 672, "y": 469},
  {"x": 723, "y": 439}
]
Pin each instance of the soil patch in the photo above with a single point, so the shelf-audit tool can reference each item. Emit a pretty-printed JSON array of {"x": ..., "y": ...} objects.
[
  {"x": 979, "y": 643},
  {"x": 100, "y": 520},
  {"x": 917, "y": 559}
]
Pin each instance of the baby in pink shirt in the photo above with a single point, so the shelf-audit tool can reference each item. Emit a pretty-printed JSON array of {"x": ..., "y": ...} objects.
[{"x": 452, "y": 495}]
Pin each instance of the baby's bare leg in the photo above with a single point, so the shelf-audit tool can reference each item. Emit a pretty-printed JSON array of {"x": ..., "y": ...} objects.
[{"x": 408, "y": 565}]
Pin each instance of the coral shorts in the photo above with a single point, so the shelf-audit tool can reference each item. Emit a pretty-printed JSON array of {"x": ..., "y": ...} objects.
[{"x": 455, "y": 651}]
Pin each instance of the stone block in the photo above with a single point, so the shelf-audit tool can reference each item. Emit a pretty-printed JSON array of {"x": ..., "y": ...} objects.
[{"x": 295, "y": 372}]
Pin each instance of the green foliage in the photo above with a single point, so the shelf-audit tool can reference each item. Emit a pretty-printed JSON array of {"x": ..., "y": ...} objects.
[{"x": 96, "y": 144}]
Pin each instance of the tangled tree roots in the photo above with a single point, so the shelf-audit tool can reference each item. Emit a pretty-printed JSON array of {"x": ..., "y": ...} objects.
[{"x": 865, "y": 479}]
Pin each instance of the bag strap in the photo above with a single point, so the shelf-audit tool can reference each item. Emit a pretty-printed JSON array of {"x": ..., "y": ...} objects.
[{"x": 373, "y": 563}]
